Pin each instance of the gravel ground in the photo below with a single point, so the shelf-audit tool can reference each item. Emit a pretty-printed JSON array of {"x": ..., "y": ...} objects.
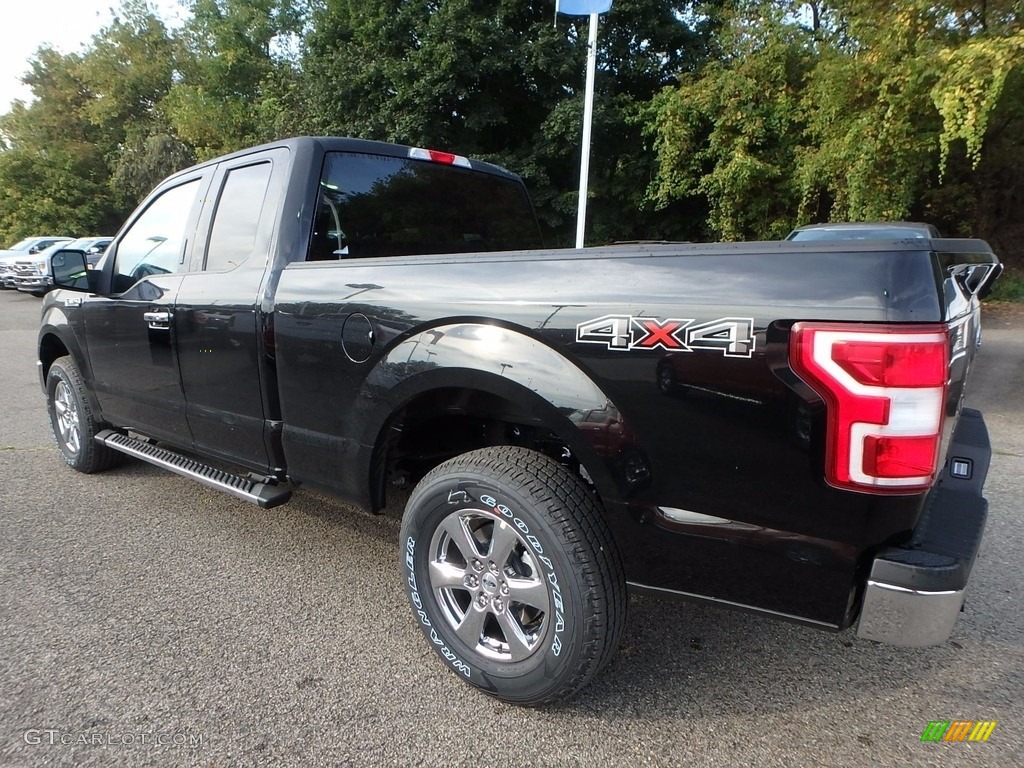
[{"x": 149, "y": 621}]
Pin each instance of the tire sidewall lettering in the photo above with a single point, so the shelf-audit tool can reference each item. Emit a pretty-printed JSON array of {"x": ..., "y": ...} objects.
[
  {"x": 446, "y": 653},
  {"x": 551, "y": 576},
  {"x": 56, "y": 376},
  {"x": 481, "y": 671}
]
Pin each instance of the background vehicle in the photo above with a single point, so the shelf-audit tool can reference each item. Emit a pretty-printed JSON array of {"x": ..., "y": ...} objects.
[
  {"x": 27, "y": 247},
  {"x": 32, "y": 275},
  {"x": 31, "y": 245},
  {"x": 353, "y": 316},
  {"x": 864, "y": 230}
]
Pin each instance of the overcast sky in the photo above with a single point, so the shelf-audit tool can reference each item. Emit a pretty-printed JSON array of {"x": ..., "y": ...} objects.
[{"x": 67, "y": 25}]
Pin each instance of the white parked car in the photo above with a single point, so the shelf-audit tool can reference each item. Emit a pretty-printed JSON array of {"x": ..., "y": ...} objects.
[
  {"x": 32, "y": 273},
  {"x": 21, "y": 250}
]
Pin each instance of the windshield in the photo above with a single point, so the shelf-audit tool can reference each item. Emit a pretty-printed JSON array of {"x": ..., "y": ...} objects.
[{"x": 22, "y": 245}]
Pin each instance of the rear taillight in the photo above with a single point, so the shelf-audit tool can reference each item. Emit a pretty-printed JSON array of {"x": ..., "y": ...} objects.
[{"x": 885, "y": 391}]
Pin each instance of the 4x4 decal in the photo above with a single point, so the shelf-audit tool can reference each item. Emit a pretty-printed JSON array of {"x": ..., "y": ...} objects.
[{"x": 732, "y": 336}]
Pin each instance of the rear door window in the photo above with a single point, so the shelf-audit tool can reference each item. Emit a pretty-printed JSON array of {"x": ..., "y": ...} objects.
[{"x": 237, "y": 218}]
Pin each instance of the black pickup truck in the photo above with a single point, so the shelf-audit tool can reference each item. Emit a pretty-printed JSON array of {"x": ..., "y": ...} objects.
[{"x": 775, "y": 427}]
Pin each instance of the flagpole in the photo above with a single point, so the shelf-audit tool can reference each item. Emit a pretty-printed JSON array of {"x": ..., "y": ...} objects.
[{"x": 588, "y": 117}]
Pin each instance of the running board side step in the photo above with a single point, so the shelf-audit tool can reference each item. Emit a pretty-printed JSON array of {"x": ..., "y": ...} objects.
[{"x": 264, "y": 494}]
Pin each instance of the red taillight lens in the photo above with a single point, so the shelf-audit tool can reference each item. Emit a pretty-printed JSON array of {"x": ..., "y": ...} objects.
[
  {"x": 436, "y": 156},
  {"x": 885, "y": 389},
  {"x": 441, "y": 157},
  {"x": 882, "y": 364},
  {"x": 900, "y": 456}
]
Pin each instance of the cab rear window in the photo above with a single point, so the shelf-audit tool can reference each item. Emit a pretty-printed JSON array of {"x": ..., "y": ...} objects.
[{"x": 373, "y": 205}]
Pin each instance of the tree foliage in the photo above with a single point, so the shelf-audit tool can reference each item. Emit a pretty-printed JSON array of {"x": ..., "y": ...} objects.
[
  {"x": 53, "y": 172},
  {"x": 727, "y": 133},
  {"x": 130, "y": 69},
  {"x": 226, "y": 66},
  {"x": 502, "y": 81},
  {"x": 968, "y": 90},
  {"x": 854, "y": 110},
  {"x": 731, "y": 119}
]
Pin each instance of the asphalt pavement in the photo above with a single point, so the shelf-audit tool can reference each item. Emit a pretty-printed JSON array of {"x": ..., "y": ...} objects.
[{"x": 146, "y": 620}]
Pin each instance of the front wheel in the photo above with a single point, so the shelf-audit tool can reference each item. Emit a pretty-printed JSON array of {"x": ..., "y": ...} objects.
[
  {"x": 72, "y": 421},
  {"x": 512, "y": 574}
]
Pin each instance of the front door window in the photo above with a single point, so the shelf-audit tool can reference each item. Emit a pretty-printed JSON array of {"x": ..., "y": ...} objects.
[{"x": 155, "y": 243}]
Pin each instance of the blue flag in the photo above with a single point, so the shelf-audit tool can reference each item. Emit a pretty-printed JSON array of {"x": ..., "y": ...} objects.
[{"x": 582, "y": 7}]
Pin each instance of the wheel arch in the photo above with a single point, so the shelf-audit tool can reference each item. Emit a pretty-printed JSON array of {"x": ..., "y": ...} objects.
[
  {"x": 51, "y": 347},
  {"x": 452, "y": 394},
  {"x": 57, "y": 339}
]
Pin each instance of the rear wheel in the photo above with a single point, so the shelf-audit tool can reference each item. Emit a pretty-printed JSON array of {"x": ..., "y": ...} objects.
[
  {"x": 71, "y": 419},
  {"x": 512, "y": 574}
]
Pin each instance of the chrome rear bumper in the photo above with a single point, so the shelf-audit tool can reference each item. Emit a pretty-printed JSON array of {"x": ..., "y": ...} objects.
[{"x": 915, "y": 592}]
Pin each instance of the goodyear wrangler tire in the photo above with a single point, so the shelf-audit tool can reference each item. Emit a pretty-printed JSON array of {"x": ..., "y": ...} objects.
[
  {"x": 512, "y": 574},
  {"x": 71, "y": 419}
]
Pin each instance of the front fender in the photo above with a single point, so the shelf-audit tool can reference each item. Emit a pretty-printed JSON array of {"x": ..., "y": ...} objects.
[
  {"x": 60, "y": 334},
  {"x": 57, "y": 336}
]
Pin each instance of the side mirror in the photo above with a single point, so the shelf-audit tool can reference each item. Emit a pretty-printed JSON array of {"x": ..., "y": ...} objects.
[
  {"x": 70, "y": 270},
  {"x": 988, "y": 280}
]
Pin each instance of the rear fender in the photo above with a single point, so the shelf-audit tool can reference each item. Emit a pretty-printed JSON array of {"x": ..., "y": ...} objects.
[{"x": 505, "y": 362}]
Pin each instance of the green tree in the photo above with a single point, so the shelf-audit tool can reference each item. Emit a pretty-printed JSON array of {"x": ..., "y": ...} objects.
[
  {"x": 727, "y": 118},
  {"x": 731, "y": 133},
  {"x": 130, "y": 68},
  {"x": 62, "y": 191},
  {"x": 53, "y": 176},
  {"x": 894, "y": 89},
  {"x": 501, "y": 81},
  {"x": 233, "y": 55},
  {"x": 857, "y": 110},
  {"x": 95, "y": 138}
]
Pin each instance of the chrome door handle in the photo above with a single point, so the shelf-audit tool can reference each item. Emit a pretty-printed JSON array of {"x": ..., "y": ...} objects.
[{"x": 158, "y": 320}]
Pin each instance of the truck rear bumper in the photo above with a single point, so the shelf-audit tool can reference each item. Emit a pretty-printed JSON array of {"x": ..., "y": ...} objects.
[
  {"x": 909, "y": 617},
  {"x": 914, "y": 592}
]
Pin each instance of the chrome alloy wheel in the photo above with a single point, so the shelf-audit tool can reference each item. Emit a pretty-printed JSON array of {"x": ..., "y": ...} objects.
[
  {"x": 68, "y": 418},
  {"x": 488, "y": 585}
]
